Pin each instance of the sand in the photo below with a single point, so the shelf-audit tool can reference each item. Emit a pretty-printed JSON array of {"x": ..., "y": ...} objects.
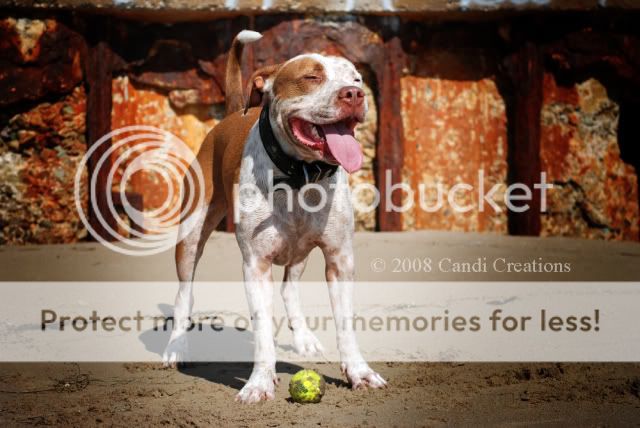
[{"x": 420, "y": 394}]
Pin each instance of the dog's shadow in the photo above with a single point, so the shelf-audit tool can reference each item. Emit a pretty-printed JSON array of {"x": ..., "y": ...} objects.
[
  {"x": 222, "y": 344},
  {"x": 235, "y": 375}
]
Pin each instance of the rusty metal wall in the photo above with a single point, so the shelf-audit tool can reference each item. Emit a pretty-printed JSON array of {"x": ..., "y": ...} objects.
[
  {"x": 452, "y": 114},
  {"x": 453, "y": 130},
  {"x": 43, "y": 138},
  {"x": 595, "y": 192}
]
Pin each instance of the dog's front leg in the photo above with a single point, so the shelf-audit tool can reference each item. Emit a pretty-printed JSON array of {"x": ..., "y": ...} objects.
[
  {"x": 305, "y": 342},
  {"x": 259, "y": 290},
  {"x": 340, "y": 273}
]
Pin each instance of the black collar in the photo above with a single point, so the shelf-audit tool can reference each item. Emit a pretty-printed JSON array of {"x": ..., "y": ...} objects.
[{"x": 298, "y": 172}]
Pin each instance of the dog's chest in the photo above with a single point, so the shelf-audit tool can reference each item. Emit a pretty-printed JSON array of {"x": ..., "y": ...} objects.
[
  {"x": 284, "y": 226},
  {"x": 285, "y": 234}
]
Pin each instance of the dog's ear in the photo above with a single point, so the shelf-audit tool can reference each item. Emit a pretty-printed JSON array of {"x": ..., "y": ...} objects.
[{"x": 257, "y": 83}]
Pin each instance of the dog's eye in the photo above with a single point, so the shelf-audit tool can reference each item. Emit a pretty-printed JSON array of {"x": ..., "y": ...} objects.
[{"x": 312, "y": 77}]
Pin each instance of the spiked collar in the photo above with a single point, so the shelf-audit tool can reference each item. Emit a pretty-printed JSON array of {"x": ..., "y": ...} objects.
[{"x": 298, "y": 172}]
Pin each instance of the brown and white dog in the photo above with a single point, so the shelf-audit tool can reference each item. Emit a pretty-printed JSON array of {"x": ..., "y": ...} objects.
[{"x": 312, "y": 104}]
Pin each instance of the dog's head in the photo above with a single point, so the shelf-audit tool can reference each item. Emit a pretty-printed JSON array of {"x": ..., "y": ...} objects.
[{"x": 315, "y": 103}]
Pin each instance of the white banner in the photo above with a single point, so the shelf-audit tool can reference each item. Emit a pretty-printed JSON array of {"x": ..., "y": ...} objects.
[{"x": 394, "y": 321}]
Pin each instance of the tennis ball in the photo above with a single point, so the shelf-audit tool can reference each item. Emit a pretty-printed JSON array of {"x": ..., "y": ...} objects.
[{"x": 306, "y": 386}]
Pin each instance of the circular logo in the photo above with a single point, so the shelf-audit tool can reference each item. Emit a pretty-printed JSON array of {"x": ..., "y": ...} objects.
[{"x": 140, "y": 149}]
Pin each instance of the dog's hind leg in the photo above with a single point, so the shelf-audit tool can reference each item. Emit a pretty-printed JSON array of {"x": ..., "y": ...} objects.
[
  {"x": 194, "y": 233},
  {"x": 304, "y": 340}
]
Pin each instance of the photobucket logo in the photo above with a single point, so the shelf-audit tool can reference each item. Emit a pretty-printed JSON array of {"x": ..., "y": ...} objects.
[
  {"x": 516, "y": 196},
  {"x": 365, "y": 197},
  {"x": 140, "y": 150}
]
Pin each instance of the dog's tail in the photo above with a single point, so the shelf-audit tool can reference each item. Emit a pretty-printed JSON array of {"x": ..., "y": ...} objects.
[{"x": 234, "y": 98}]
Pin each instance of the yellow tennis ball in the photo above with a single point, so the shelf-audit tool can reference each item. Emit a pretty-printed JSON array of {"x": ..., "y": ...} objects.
[{"x": 306, "y": 386}]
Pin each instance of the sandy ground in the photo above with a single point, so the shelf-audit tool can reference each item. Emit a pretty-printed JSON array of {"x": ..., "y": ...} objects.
[
  {"x": 590, "y": 260},
  {"x": 420, "y": 394}
]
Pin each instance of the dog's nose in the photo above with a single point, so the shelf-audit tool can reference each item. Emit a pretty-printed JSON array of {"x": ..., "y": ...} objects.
[{"x": 351, "y": 95}]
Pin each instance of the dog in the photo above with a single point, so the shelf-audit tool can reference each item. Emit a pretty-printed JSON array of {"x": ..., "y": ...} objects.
[{"x": 302, "y": 135}]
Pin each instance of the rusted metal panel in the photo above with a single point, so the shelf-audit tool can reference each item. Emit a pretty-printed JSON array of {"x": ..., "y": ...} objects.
[
  {"x": 40, "y": 144},
  {"x": 285, "y": 39},
  {"x": 454, "y": 127},
  {"x": 186, "y": 61},
  {"x": 452, "y": 130},
  {"x": 595, "y": 192},
  {"x": 135, "y": 105},
  {"x": 185, "y": 87},
  {"x": 37, "y": 58},
  {"x": 588, "y": 149},
  {"x": 141, "y": 106},
  {"x": 39, "y": 152}
]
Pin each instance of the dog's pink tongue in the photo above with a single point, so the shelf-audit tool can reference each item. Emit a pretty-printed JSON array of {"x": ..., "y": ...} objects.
[{"x": 343, "y": 146}]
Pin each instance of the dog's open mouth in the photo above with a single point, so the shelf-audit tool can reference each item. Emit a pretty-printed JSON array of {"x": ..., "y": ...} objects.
[{"x": 335, "y": 140}]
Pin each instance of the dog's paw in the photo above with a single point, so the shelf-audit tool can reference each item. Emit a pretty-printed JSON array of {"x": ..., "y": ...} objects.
[
  {"x": 176, "y": 352},
  {"x": 261, "y": 386},
  {"x": 306, "y": 343},
  {"x": 361, "y": 376}
]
